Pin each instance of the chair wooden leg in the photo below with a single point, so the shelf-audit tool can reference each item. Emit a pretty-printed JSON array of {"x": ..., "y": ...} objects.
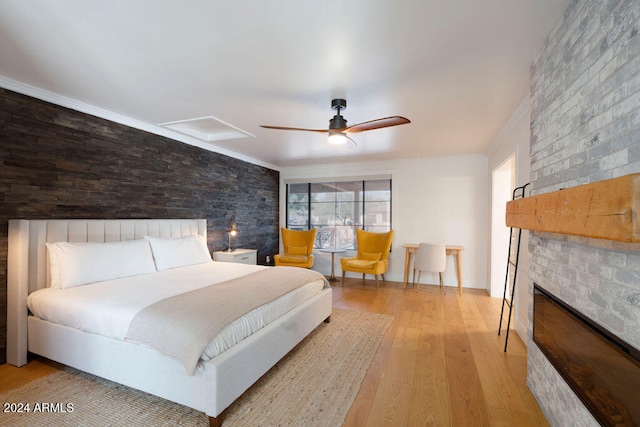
[
  {"x": 343, "y": 274},
  {"x": 417, "y": 285},
  {"x": 377, "y": 287},
  {"x": 441, "y": 283}
]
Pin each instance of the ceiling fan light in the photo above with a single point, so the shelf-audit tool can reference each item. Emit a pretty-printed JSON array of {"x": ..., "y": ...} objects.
[{"x": 337, "y": 138}]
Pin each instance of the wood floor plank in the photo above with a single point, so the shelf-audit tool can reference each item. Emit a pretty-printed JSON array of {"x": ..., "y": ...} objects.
[
  {"x": 465, "y": 389},
  {"x": 391, "y": 406},
  {"x": 466, "y": 398},
  {"x": 500, "y": 389},
  {"x": 430, "y": 405}
]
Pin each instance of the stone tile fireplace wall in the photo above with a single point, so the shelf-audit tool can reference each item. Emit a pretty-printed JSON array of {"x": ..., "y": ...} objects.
[{"x": 585, "y": 127}]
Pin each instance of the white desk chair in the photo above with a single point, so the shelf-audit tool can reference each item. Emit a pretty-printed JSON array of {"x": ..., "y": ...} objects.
[{"x": 430, "y": 258}]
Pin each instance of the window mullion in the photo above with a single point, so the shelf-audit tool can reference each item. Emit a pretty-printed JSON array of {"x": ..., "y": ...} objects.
[
  {"x": 309, "y": 206},
  {"x": 364, "y": 213}
]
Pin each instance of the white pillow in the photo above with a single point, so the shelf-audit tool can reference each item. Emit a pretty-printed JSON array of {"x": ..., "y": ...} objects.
[
  {"x": 76, "y": 264},
  {"x": 179, "y": 252}
]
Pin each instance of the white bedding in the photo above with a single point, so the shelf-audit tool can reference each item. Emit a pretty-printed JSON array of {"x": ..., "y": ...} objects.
[{"x": 106, "y": 308}]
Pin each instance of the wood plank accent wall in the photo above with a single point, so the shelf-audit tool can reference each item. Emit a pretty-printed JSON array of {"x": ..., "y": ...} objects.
[
  {"x": 60, "y": 163},
  {"x": 608, "y": 209}
]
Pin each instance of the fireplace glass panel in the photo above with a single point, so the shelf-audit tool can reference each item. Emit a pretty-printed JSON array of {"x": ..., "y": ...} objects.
[{"x": 602, "y": 369}]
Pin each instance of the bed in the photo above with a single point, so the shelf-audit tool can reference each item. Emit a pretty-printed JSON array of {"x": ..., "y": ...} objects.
[{"x": 211, "y": 385}]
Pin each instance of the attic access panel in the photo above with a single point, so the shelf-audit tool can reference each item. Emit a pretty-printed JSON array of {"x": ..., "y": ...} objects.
[{"x": 208, "y": 129}]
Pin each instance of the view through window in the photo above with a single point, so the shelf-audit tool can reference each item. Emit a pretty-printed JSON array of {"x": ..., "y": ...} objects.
[{"x": 336, "y": 209}]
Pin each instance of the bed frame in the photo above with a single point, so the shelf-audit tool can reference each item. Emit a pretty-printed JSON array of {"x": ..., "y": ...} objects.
[{"x": 212, "y": 389}]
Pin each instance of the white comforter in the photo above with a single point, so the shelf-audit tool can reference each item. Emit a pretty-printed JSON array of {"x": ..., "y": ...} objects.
[{"x": 107, "y": 308}]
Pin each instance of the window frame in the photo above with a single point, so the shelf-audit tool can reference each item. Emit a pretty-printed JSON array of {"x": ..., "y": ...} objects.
[{"x": 336, "y": 183}]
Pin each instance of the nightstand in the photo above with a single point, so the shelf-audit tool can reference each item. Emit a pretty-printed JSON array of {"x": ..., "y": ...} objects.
[{"x": 242, "y": 256}]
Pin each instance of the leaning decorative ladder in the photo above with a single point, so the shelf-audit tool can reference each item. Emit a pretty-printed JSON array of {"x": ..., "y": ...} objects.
[{"x": 513, "y": 257}]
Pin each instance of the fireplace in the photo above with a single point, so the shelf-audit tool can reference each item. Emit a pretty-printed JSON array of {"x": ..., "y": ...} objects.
[{"x": 602, "y": 369}]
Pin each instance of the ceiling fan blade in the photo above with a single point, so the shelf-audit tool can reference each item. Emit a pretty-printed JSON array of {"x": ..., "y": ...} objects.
[
  {"x": 378, "y": 124},
  {"x": 287, "y": 128}
]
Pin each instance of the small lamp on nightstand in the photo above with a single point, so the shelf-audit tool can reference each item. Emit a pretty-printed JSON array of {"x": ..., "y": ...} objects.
[{"x": 231, "y": 232}]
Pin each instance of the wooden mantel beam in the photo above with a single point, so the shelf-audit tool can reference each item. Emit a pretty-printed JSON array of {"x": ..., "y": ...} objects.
[{"x": 607, "y": 209}]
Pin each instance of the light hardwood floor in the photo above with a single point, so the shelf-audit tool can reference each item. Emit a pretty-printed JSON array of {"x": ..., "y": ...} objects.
[{"x": 440, "y": 363}]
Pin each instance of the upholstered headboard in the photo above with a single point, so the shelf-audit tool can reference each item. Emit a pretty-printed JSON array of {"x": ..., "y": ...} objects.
[{"x": 27, "y": 259}]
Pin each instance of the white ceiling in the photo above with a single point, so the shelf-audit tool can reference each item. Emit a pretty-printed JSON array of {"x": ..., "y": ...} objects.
[{"x": 457, "y": 69}]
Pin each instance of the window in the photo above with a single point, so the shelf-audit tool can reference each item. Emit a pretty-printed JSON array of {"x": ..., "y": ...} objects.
[{"x": 336, "y": 209}]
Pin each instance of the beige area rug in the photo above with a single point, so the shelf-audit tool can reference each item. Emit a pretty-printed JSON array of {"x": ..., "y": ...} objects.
[{"x": 314, "y": 385}]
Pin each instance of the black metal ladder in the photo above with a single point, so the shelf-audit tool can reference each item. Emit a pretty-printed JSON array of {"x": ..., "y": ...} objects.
[{"x": 512, "y": 268}]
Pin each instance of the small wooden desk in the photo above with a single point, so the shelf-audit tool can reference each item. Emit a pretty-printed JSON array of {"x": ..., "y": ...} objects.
[{"x": 412, "y": 248}]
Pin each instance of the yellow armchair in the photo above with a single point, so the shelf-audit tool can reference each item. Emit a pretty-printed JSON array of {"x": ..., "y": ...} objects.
[
  {"x": 372, "y": 257},
  {"x": 298, "y": 248}
]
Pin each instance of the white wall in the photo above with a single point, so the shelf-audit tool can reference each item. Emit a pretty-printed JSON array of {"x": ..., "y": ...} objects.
[
  {"x": 514, "y": 138},
  {"x": 439, "y": 199}
]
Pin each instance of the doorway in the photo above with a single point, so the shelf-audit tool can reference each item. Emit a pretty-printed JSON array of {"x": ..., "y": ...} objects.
[{"x": 502, "y": 185}]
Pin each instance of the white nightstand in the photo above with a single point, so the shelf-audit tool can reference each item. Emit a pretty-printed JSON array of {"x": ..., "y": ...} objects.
[{"x": 242, "y": 256}]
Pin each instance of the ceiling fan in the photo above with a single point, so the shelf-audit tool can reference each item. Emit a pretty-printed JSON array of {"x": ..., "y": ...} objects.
[{"x": 338, "y": 129}]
